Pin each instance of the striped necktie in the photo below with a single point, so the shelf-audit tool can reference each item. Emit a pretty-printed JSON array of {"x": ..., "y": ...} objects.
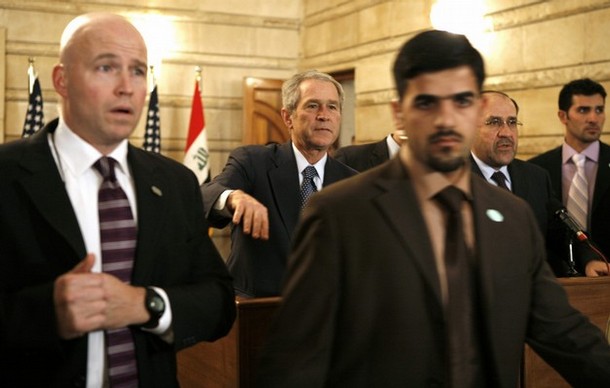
[
  {"x": 578, "y": 195},
  {"x": 118, "y": 244}
]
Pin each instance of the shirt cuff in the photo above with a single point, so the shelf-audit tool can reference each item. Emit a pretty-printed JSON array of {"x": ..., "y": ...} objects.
[{"x": 221, "y": 202}]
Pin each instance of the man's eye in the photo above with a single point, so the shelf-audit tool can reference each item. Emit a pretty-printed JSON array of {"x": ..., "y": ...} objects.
[
  {"x": 425, "y": 103},
  {"x": 464, "y": 101}
]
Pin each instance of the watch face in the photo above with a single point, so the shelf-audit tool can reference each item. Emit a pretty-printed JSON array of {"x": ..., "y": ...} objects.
[{"x": 156, "y": 304}]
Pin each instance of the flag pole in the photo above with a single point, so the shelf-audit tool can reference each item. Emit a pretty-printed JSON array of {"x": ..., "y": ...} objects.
[
  {"x": 153, "y": 78},
  {"x": 31, "y": 74},
  {"x": 198, "y": 78}
]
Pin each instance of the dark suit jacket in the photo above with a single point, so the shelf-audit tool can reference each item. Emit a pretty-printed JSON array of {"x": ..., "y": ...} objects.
[
  {"x": 362, "y": 302},
  {"x": 269, "y": 174},
  {"x": 40, "y": 239},
  {"x": 361, "y": 157},
  {"x": 600, "y": 210},
  {"x": 531, "y": 183}
]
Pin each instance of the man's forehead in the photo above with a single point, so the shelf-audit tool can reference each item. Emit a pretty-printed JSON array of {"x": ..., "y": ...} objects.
[
  {"x": 584, "y": 100},
  {"x": 499, "y": 105}
]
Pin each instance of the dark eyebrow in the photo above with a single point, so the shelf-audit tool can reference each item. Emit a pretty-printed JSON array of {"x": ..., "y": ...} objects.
[{"x": 433, "y": 97}]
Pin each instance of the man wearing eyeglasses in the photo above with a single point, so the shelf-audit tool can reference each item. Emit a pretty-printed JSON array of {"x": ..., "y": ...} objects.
[
  {"x": 582, "y": 112},
  {"x": 493, "y": 155}
]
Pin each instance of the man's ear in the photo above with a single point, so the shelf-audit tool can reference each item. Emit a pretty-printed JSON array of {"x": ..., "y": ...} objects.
[
  {"x": 287, "y": 118},
  {"x": 59, "y": 80},
  {"x": 563, "y": 116}
]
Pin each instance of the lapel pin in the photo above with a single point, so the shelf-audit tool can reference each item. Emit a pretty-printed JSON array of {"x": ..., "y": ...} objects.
[
  {"x": 156, "y": 190},
  {"x": 494, "y": 215}
]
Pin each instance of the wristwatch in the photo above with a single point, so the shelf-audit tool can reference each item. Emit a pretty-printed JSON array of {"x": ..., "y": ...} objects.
[{"x": 155, "y": 305}]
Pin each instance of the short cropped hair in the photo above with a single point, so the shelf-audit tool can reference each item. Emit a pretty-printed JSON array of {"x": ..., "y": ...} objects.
[
  {"x": 583, "y": 86},
  {"x": 291, "y": 93},
  {"x": 432, "y": 51}
]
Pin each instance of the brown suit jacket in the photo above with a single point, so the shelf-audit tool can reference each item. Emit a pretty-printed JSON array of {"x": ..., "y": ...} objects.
[{"x": 362, "y": 303}]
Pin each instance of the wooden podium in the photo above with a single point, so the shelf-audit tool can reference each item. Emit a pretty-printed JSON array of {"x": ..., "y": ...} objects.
[
  {"x": 231, "y": 361},
  {"x": 592, "y": 297}
]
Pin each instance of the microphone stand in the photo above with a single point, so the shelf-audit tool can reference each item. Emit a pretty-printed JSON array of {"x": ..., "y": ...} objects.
[{"x": 571, "y": 271}]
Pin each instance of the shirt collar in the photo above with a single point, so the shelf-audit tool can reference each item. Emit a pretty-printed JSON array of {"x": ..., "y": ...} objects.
[
  {"x": 76, "y": 155},
  {"x": 591, "y": 152},
  {"x": 393, "y": 146},
  {"x": 487, "y": 170},
  {"x": 302, "y": 162},
  {"x": 428, "y": 183}
]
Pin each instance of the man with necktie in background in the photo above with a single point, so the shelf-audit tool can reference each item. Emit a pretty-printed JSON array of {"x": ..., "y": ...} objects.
[
  {"x": 493, "y": 157},
  {"x": 262, "y": 189},
  {"x": 106, "y": 267},
  {"x": 580, "y": 168}
]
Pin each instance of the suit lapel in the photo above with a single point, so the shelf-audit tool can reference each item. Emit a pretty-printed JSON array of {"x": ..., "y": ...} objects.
[
  {"x": 153, "y": 208},
  {"x": 284, "y": 184},
  {"x": 520, "y": 185},
  {"x": 399, "y": 206},
  {"x": 45, "y": 188},
  {"x": 602, "y": 180},
  {"x": 380, "y": 153}
]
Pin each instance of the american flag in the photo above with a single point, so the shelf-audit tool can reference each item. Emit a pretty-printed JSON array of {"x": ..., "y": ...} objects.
[
  {"x": 34, "y": 118},
  {"x": 152, "y": 134}
]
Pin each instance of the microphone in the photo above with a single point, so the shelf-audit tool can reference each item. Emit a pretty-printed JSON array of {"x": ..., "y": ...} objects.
[{"x": 562, "y": 214}]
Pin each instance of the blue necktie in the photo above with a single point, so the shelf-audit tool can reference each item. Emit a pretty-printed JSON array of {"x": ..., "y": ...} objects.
[{"x": 308, "y": 187}]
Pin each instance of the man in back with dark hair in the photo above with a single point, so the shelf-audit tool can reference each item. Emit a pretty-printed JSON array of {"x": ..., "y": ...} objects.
[{"x": 580, "y": 167}]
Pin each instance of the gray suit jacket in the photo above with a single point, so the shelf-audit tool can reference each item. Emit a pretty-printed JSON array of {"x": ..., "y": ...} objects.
[
  {"x": 362, "y": 302},
  {"x": 269, "y": 174},
  {"x": 40, "y": 239}
]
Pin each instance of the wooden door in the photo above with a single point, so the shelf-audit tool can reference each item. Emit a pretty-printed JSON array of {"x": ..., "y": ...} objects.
[{"x": 262, "y": 105}]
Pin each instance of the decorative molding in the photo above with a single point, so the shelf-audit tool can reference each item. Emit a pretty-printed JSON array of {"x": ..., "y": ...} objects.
[{"x": 191, "y": 15}]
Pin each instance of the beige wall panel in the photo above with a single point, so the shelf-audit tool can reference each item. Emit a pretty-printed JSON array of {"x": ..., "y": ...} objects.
[
  {"x": 373, "y": 122},
  {"x": 597, "y": 36},
  {"x": 375, "y": 73},
  {"x": 274, "y": 8},
  {"x": 409, "y": 16},
  {"x": 32, "y": 26},
  {"x": 554, "y": 43},
  {"x": 505, "y": 53},
  {"x": 375, "y": 22},
  {"x": 500, "y": 5},
  {"x": 237, "y": 40}
]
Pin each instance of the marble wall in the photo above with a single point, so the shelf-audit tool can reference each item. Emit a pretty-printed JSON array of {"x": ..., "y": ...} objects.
[{"x": 533, "y": 48}]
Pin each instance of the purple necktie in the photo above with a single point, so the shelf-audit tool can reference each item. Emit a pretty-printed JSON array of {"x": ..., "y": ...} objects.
[{"x": 118, "y": 244}]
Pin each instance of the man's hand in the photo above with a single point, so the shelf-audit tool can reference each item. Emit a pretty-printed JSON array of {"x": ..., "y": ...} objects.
[
  {"x": 250, "y": 213},
  {"x": 596, "y": 268},
  {"x": 87, "y": 301}
]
